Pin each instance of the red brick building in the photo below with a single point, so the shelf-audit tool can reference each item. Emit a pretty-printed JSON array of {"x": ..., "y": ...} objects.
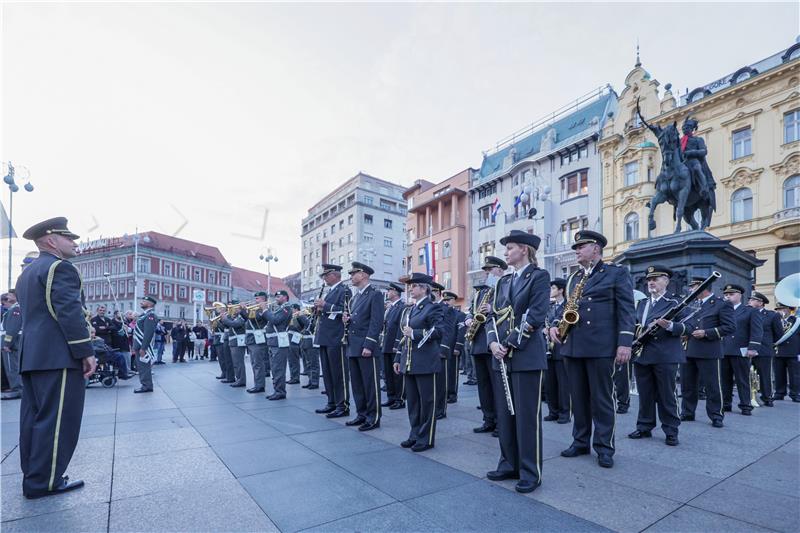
[{"x": 248, "y": 282}]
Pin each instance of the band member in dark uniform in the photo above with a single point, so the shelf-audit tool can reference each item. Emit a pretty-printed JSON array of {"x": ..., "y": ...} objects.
[
  {"x": 277, "y": 320},
  {"x": 739, "y": 348},
  {"x": 602, "y": 295},
  {"x": 144, "y": 334},
  {"x": 236, "y": 344},
  {"x": 787, "y": 356},
  {"x": 446, "y": 344},
  {"x": 391, "y": 323},
  {"x": 419, "y": 360},
  {"x": 517, "y": 343},
  {"x": 256, "y": 341},
  {"x": 448, "y": 298},
  {"x": 363, "y": 318},
  {"x": 55, "y": 358},
  {"x": 329, "y": 334},
  {"x": 656, "y": 366},
  {"x": 478, "y": 345},
  {"x": 772, "y": 331},
  {"x": 309, "y": 352},
  {"x": 706, "y": 328},
  {"x": 556, "y": 383}
]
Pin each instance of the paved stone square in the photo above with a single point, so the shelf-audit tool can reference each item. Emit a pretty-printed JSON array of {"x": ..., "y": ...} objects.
[{"x": 197, "y": 455}]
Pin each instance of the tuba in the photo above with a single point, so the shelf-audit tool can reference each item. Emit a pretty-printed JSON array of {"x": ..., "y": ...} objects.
[{"x": 787, "y": 291}]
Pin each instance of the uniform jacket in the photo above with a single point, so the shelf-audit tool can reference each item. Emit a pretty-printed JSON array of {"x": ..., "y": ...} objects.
[
  {"x": 715, "y": 317},
  {"x": 773, "y": 329},
  {"x": 554, "y": 314},
  {"x": 277, "y": 322},
  {"x": 216, "y": 333},
  {"x": 251, "y": 324},
  {"x": 366, "y": 322},
  {"x": 12, "y": 326},
  {"x": 329, "y": 327},
  {"x": 390, "y": 326},
  {"x": 461, "y": 330},
  {"x": 448, "y": 340},
  {"x": 791, "y": 346},
  {"x": 236, "y": 326},
  {"x": 607, "y": 312},
  {"x": 531, "y": 294},
  {"x": 307, "y": 330},
  {"x": 425, "y": 318},
  {"x": 479, "y": 346},
  {"x": 748, "y": 332},
  {"x": 144, "y": 334},
  {"x": 50, "y": 295},
  {"x": 665, "y": 346}
]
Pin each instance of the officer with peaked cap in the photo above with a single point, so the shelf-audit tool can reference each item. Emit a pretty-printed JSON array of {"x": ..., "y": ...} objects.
[
  {"x": 559, "y": 404},
  {"x": 54, "y": 361},
  {"x": 144, "y": 343},
  {"x": 772, "y": 331},
  {"x": 328, "y": 336},
  {"x": 739, "y": 348},
  {"x": 391, "y": 323}
]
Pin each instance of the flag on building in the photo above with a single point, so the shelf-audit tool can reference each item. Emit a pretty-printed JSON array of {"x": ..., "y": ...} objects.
[
  {"x": 495, "y": 207},
  {"x": 430, "y": 258}
]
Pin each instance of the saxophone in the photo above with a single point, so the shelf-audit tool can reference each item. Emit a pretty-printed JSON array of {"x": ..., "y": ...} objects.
[
  {"x": 479, "y": 319},
  {"x": 571, "y": 315}
]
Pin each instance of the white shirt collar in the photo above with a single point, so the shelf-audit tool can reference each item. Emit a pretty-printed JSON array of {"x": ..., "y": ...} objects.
[
  {"x": 704, "y": 300},
  {"x": 334, "y": 285},
  {"x": 518, "y": 273},
  {"x": 735, "y": 307},
  {"x": 361, "y": 290},
  {"x": 422, "y": 300}
]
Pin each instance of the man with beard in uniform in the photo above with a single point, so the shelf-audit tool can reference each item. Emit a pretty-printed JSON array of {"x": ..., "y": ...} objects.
[
  {"x": 705, "y": 329},
  {"x": 772, "y": 331},
  {"x": 482, "y": 356},
  {"x": 600, "y": 339},
  {"x": 556, "y": 383},
  {"x": 391, "y": 323},
  {"x": 739, "y": 348},
  {"x": 328, "y": 336}
]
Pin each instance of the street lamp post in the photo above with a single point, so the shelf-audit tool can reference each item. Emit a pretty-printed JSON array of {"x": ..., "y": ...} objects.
[
  {"x": 136, "y": 238},
  {"x": 269, "y": 258},
  {"x": 12, "y": 188}
]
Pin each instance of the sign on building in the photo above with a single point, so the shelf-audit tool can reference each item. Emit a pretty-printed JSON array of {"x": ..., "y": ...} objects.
[{"x": 199, "y": 296}]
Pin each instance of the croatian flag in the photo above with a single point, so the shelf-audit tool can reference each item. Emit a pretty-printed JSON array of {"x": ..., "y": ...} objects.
[
  {"x": 495, "y": 207},
  {"x": 517, "y": 200},
  {"x": 430, "y": 258}
]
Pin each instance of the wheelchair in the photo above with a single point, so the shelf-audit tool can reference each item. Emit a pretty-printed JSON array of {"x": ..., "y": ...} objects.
[{"x": 105, "y": 373}]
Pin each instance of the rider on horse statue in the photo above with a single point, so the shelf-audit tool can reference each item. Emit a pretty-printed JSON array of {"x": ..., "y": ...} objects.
[{"x": 694, "y": 156}]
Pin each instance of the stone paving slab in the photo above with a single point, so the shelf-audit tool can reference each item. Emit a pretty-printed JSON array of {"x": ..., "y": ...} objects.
[{"x": 689, "y": 518}]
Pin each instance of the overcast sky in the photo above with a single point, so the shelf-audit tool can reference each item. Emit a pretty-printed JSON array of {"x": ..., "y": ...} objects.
[{"x": 142, "y": 114}]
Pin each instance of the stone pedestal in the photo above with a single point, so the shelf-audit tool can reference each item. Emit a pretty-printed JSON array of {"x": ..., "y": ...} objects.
[{"x": 688, "y": 254}]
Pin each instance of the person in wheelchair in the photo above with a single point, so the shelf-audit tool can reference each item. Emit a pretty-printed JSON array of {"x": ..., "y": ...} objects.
[{"x": 106, "y": 356}]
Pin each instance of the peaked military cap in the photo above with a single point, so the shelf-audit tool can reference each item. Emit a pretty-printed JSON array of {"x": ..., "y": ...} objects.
[
  {"x": 150, "y": 299},
  {"x": 656, "y": 271},
  {"x": 396, "y": 287},
  {"x": 521, "y": 237},
  {"x": 561, "y": 283},
  {"x": 779, "y": 305},
  {"x": 281, "y": 293},
  {"x": 437, "y": 286},
  {"x": 584, "y": 236},
  {"x": 328, "y": 268},
  {"x": 491, "y": 261},
  {"x": 419, "y": 277},
  {"x": 260, "y": 293},
  {"x": 760, "y": 297},
  {"x": 449, "y": 295},
  {"x": 732, "y": 287},
  {"x": 361, "y": 267},
  {"x": 53, "y": 226}
]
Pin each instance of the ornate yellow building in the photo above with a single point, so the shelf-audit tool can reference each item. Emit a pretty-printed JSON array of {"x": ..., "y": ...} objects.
[{"x": 750, "y": 121}]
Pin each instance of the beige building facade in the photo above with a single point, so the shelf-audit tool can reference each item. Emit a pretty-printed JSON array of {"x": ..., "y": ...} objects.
[{"x": 750, "y": 122}]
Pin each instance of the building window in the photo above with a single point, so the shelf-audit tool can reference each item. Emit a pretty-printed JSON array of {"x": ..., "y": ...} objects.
[
  {"x": 447, "y": 280},
  {"x": 631, "y": 173},
  {"x": 181, "y": 292},
  {"x": 368, "y": 237},
  {"x": 742, "y": 143},
  {"x": 144, "y": 265},
  {"x": 182, "y": 271},
  {"x": 212, "y": 277},
  {"x": 421, "y": 257},
  {"x": 447, "y": 248},
  {"x": 130, "y": 286},
  {"x": 576, "y": 184},
  {"x": 788, "y": 261},
  {"x": 385, "y": 204},
  {"x": 168, "y": 289},
  {"x": 317, "y": 254},
  {"x": 488, "y": 191},
  {"x": 387, "y": 243},
  {"x": 349, "y": 238},
  {"x": 123, "y": 265},
  {"x": 742, "y": 205},
  {"x": 368, "y": 200},
  {"x": 324, "y": 234},
  {"x": 387, "y": 259},
  {"x": 387, "y": 223},
  {"x": 333, "y": 229},
  {"x": 341, "y": 240},
  {"x": 223, "y": 279},
  {"x": 791, "y": 126},
  {"x": 166, "y": 311},
  {"x": 368, "y": 219},
  {"x": 168, "y": 269},
  {"x": 631, "y": 227},
  {"x": 486, "y": 248},
  {"x": 197, "y": 274},
  {"x": 182, "y": 312},
  {"x": 349, "y": 220},
  {"x": 152, "y": 288},
  {"x": 485, "y": 216},
  {"x": 791, "y": 192},
  {"x": 350, "y": 256}
]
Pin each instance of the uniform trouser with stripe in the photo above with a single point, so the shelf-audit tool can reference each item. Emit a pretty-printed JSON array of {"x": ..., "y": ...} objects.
[
  {"x": 259, "y": 360},
  {"x": 277, "y": 361},
  {"x": 421, "y": 402},
  {"x": 311, "y": 358},
  {"x": 591, "y": 384},
  {"x": 784, "y": 366},
  {"x": 294, "y": 362},
  {"x": 337, "y": 379},
  {"x": 394, "y": 382},
  {"x": 557, "y": 387},
  {"x": 469, "y": 367},
  {"x": 226, "y": 362},
  {"x": 656, "y": 386},
  {"x": 485, "y": 376},
  {"x": 239, "y": 370},
  {"x": 622, "y": 384},
  {"x": 452, "y": 378},
  {"x": 706, "y": 372},
  {"x": 441, "y": 389},
  {"x": 736, "y": 369},
  {"x": 145, "y": 373},
  {"x": 765, "y": 373},
  {"x": 521, "y": 434},
  {"x": 366, "y": 387},
  {"x": 11, "y": 369},
  {"x": 50, "y": 423}
]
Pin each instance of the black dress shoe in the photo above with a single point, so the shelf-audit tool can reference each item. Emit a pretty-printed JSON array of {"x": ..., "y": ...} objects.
[
  {"x": 441, "y": 416},
  {"x": 574, "y": 451},
  {"x": 605, "y": 460},
  {"x": 470, "y": 382},
  {"x": 495, "y": 434},
  {"x": 421, "y": 447},
  {"x": 366, "y": 426},
  {"x": 747, "y": 412},
  {"x": 687, "y": 418},
  {"x": 408, "y": 443},
  {"x": 452, "y": 400},
  {"x": 796, "y": 400},
  {"x": 254, "y": 390},
  {"x": 499, "y": 475},
  {"x": 640, "y": 434},
  {"x": 227, "y": 381},
  {"x": 141, "y": 390},
  {"x": 338, "y": 413},
  {"x": 526, "y": 486},
  {"x": 551, "y": 418},
  {"x": 621, "y": 410},
  {"x": 293, "y": 382},
  {"x": 717, "y": 423},
  {"x": 357, "y": 421},
  {"x": 563, "y": 420},
  {"x": 325, "y": 410},
  {"x": 769, "y": 403},
  {"x": 323, "y": 391},
  {"x": 237, "y": 385},
  {"x": 727, "y": 409},
  {"x": 397, "y": 405},
  {"x": 387, "y": 403},
  {"x": 303, "y": 373},
  {"x": 274, "y": 397},
  {"x": 220, "y": 377},
  {"x": 312, "y": 387},
  {"x": 671, "y": 440},
  {"x": 65, "y": 486},
  {"x": 304, "y": 386},
  {"x": 485, "y": 428}
]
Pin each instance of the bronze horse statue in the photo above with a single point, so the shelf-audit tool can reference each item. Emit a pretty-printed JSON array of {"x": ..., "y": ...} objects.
[{"x": 674, "y": 182}]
